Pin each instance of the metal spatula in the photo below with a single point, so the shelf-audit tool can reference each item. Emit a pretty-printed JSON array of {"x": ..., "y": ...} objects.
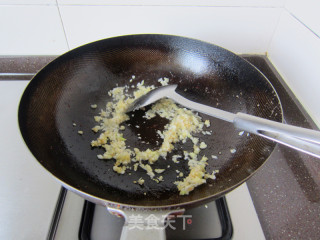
[{"x": 301, "y": 139}]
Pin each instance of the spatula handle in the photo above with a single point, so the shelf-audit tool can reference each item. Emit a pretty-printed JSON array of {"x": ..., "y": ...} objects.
[{"x": 302, "y": 139}]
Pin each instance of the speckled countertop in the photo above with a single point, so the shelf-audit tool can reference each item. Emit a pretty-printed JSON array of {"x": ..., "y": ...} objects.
[{"x": 285, "y": 191}]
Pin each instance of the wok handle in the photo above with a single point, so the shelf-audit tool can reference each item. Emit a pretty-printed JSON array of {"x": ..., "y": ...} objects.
[
  {"x": 144, "y": 224},
  {"x": 302, "y": 139}
]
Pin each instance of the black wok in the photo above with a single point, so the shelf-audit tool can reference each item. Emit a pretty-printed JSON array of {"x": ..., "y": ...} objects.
[{"x": 62, "y": 92}]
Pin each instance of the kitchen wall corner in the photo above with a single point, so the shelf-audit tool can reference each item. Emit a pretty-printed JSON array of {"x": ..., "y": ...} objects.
[{"x": 295, "y": 52}]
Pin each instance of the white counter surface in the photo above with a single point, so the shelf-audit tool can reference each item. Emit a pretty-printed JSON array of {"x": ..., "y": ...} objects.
[{"x": 28, "y": 194}]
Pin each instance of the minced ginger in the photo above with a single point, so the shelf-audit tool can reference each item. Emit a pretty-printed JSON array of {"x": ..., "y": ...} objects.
[{"x": 183, "y": 123}]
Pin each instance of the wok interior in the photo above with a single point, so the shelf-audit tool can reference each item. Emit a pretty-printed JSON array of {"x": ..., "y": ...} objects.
[{"x": 61, "y": 94}]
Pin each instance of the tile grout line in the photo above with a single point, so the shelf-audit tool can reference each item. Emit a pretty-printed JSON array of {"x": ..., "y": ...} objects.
[
  {"x": 274, "y": 31},
  {"x": 296, "y": 18},
  {"x": 63, "y": 27}
]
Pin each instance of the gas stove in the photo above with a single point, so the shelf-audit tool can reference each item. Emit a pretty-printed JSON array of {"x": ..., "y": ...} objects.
[{"x": 231, "y": 217}]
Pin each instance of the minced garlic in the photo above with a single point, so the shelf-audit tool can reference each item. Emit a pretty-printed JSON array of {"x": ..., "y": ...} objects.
[
  {"x": 141, "y": 181},
  {"x": 203, "y": 145},
  {"x": 183, "y": 124},
  {"x": 159, "y": 170},
  {"x": 207, "y": 123}
]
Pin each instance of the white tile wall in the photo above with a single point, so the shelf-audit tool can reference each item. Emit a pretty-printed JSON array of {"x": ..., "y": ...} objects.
[
  {"x": 295, "y": 51},
  {"x": 232, "y": 3},
  {"x": 242, "y": 30},
  {"x": 31, "y": 30},
  {"x": 307, "y": 12}
]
